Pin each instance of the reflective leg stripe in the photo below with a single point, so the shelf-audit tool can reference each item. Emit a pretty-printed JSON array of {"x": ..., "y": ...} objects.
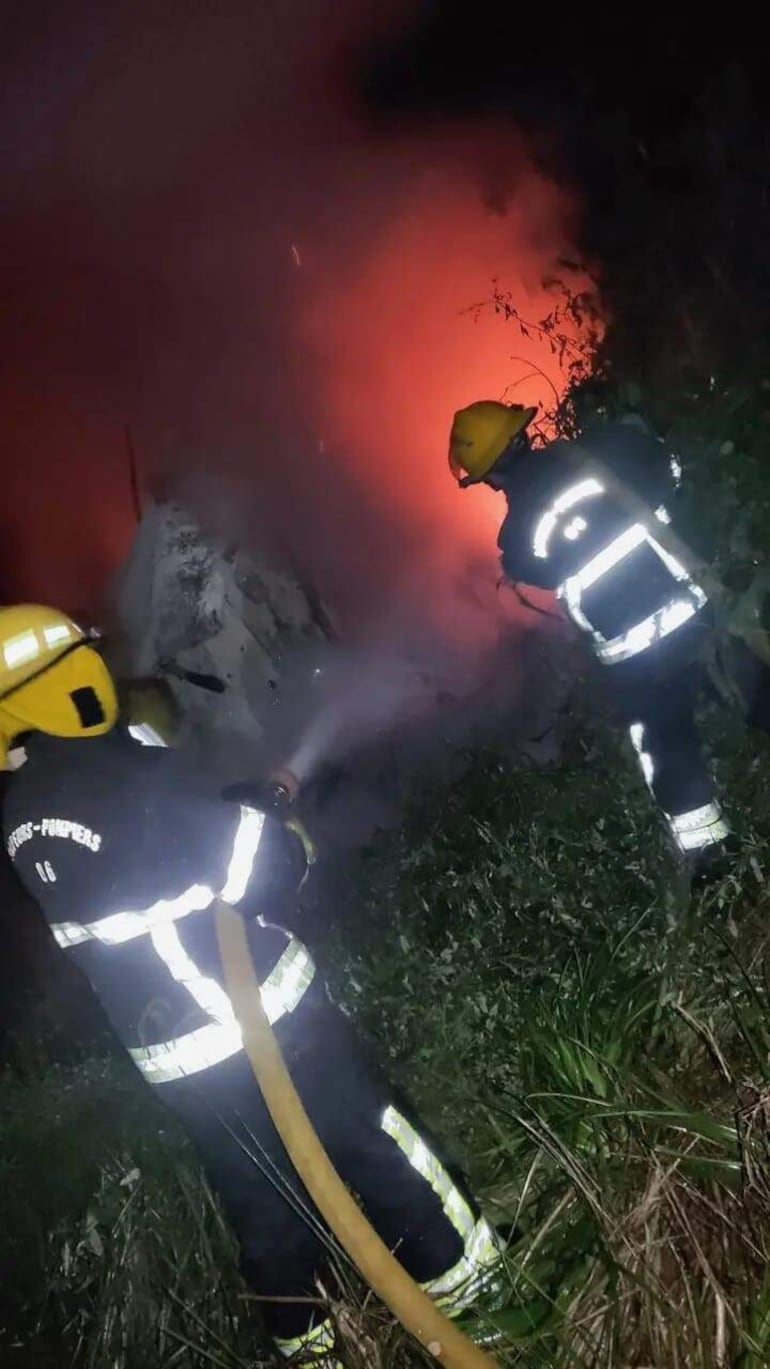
[
  {"x": 313, "y": 1344},
  {"x": 699, "y": 827},
  {"x": 462, "y": 1284},
  {"x": 636, "y": 733},
  {"x": 116, "y": 928},
  {"x": 459, "y": 1285},
  {"x": 456, "y": 1288},
  {"x": 692, "y": 830},
  {"x": 456, "y": 1209},
  {"x": 198, "y": 1050}
]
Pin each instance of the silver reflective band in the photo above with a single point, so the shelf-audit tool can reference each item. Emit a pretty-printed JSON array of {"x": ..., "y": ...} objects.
[
  {"x": 651, "y": 629},
  {"x": 575, "y": 528},
  {"x": 245, "y": 848},
  {"x": 145, "y": 734},
  {"x": 70, "y": 933},
  {"x": 675, "y": 466},
  {"x": 695, "y": 829},
  {"x": 281, "y": 992},
  {"x": 315, "y": 1343},
  {"x": 636, "y": 733},
  {"x": 699, "y": 827},
  {"x": 287, "y": 982},
  {"x": 116, "y": 928},
  {"x": 460, "y": 1284},
  {"x": 585, "y": 489},
  {"x": 473, "y": 1273},
  {"x": 429, "y": 1168},
  {"x": 208, "y": 994},
  {"x": 197, "y": 1050},
  {"x": 662, "y": 514},
  {"x": 616, "y": 550}
]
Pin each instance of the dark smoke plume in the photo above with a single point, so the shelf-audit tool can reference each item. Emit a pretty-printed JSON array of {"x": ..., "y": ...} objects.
[{"x": 211, "y": 256}]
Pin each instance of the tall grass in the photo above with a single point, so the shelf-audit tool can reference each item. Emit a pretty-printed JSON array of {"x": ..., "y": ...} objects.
[
  {"x": 113, "y": 1251},
  {"x": 591, "y": 1044}
]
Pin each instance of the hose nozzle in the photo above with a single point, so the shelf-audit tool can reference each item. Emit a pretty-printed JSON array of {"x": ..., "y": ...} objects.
[{"x": 282, "y": 788}]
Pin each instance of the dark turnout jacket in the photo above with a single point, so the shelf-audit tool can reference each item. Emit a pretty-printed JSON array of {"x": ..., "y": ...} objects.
[
  {"x": 125, "y": 847},
  {"x": 564, "y": 532}
]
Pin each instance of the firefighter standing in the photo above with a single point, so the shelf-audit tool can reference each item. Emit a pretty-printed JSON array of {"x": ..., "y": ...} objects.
[
  {"x": 644, "y": 613},
  {"x": 134, "y": 841}
]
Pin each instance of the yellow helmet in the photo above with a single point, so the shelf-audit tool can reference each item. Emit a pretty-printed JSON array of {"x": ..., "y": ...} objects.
[
  {"x": 51, "y": 680},
  {"x": 480, "y": 434}
]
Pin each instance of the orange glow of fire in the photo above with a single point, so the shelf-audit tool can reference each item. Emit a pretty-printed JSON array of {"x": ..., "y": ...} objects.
[{"x": 398, "y": 346}]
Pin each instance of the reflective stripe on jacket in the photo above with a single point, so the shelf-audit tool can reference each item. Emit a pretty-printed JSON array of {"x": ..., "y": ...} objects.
[
  {"x": 564, "y": 532},
  {"x": 126, "y": 846}
]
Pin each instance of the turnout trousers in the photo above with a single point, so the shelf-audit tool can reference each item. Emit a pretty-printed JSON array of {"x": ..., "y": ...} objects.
[
  {"x": 415, "y": 1202},
  {"x": 658, "y": 699}
]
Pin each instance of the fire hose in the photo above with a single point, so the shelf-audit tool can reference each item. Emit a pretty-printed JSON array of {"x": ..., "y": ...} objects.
[
  {"x": 405, "y": 1299},
  {"x": 389, "y": 1280}
]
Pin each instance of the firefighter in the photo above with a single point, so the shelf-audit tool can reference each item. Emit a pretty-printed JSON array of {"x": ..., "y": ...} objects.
[
  {"x": 645, "y": 615},
  {"x": 126, "y": 845}
]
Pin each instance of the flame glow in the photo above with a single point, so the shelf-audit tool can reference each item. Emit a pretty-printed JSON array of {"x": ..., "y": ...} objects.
[{"x": 397, "y": 345}]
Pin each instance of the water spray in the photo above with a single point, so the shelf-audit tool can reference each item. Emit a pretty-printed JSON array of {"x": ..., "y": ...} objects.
[{"x": 369, "y": 690}]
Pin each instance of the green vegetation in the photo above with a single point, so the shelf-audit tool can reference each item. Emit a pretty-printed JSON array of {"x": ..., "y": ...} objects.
[
  {"x": 588, "y": 1041},
  {"x": 113, "y": 1251},
  {"x": 593, "y": 1046},
  {"x": 589, "y": 1044}
]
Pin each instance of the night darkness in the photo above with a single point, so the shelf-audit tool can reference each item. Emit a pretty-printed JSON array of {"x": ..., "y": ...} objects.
[
  {"x": 215, "y": 237},
  {"x": 256, "y": 245},
  {"x": 248, "y": 233}
]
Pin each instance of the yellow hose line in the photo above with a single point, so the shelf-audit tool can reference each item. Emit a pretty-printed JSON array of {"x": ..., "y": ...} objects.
[{"x": 382, "y": 1272}]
